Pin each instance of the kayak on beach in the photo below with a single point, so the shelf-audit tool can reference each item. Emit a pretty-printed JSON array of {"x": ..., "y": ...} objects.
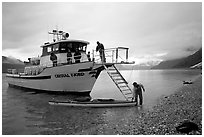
[{"x": 95, "y": 103}]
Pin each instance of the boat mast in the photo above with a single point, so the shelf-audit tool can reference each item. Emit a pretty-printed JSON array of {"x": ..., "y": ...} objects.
[{"x": 60, "y": 35}]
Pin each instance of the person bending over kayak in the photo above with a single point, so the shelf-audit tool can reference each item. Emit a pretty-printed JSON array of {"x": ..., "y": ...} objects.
[{"x": 137, "y": 92}]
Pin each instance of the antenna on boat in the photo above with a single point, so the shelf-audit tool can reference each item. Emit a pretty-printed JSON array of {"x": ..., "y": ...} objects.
[{"x": 59, "y": 35}]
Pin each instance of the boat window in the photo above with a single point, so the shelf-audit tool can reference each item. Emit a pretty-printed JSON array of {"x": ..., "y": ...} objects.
[
  {"x": 83, "y": 48},
  {"x": 80, "y": 46},
  {"x": 70, "y": 47},
  {"x": 56, "y": 47},
  {"x": 49, "y": 49},
  {"x": 63, "y": 47},
  {"x": 44, "y": 52},
  {"x": 73, "y": 46}
]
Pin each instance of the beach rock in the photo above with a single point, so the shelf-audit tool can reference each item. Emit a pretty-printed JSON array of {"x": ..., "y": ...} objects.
[
  {"x": 187, "y": 126},
  {"x": 187, "y": 82}
]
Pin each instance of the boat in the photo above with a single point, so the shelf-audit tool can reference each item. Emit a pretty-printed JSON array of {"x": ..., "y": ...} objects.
[
  {"x": 74, "y": 74},
  {"x": 95, "y": 103}
]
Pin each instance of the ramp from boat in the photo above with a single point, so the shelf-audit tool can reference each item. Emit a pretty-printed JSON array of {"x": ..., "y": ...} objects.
[
  {"x": 119, "y": 81},
  {"x": 96, "y": 103}
]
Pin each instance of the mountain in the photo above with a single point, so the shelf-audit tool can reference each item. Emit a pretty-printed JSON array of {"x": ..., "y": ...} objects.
[
  {"x": 12, "y": 63},
  {"x": 168, "y": 64},
  {"x": 191, "y": 60},
  {"x": 185, "y": 62},
  {"x": 133, "y": 67},
  {"x": 142, "y": 66},
  {"x": 197, "y": 66}
]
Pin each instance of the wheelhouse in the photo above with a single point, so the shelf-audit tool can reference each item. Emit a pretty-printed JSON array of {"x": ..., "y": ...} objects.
[
  {"x": 64, "y": 46},
  {"x": 61, "y": 48}
]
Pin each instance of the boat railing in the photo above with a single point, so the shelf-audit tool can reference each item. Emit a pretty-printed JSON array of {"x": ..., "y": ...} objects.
[
  {"x": 15, "y": 71},
  {"x": 117, "y": 55},
  {"x": 37, "y": 69},
  {"x": 64, "y": 60}
]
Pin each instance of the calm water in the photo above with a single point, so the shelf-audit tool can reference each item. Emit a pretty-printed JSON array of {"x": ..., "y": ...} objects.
[{"x": 29, "y": 113}]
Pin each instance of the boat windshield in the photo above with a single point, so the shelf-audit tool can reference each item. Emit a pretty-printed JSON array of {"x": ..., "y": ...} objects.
[{"x": 62, "y": 47}]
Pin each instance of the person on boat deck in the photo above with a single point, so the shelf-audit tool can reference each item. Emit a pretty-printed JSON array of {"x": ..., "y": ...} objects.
[
  {"x": 137, "y": 92},
  {"x": 88, "y": 56},
  {"x": 53, "y": 58},
  {"x": 77, "y": 56},
  {"x": 69, "y": 57},
  {"x": 100, "y": 48}
]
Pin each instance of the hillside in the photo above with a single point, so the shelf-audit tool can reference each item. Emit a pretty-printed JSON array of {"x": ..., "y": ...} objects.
[
  {"x": 133, "y": 67},
  {"x": 186, "y": 62},
  {"x": 191, "y": 60},
  {"x": 11, "y": 63}
]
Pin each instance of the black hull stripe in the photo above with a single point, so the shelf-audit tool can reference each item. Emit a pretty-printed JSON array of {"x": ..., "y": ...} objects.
[
  {"x": 86, "y": 93},
  {"x": 92, "y": 72},
  {"x": 86, "y": 69},
  {"x": 33, "y": 78}
]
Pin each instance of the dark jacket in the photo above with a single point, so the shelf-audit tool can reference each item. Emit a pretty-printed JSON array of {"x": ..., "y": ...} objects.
[
  {"x": 100, "y": 47},
  {"x": 53, "y": 57},
  {"x": 77, "y": 55}
]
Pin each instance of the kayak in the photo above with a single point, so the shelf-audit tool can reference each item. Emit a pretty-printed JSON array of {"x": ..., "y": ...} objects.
[{"x": 95, "y": 103}]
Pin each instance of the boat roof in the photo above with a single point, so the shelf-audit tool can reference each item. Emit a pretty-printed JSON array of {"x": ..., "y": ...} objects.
[{"x": 67, "y": 40}]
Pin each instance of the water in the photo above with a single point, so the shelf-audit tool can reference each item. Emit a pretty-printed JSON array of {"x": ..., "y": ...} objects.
[{"x": 29, "y": 113}]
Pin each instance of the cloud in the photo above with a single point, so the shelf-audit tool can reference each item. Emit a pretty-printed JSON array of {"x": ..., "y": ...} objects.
[
  {"x": 160, "y": 54},
  {"x": 173, "y": 42},
  {"x": 191, "y": 49},
  {"x": 146, "y": 28}
]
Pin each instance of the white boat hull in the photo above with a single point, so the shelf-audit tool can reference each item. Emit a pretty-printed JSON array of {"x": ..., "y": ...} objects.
[{"x": 77, "y": 78}]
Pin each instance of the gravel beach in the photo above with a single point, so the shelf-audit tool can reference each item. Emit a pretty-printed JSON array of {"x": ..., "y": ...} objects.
[{"x": 162, "y": 119}]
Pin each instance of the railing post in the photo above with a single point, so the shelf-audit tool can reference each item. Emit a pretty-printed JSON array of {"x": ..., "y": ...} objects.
[
  {"x": 93, "y": 59},
  {"x": 127, "y": 55},
  {"x": 113, "y": 56},
  {"x": 116, "y": 55}
]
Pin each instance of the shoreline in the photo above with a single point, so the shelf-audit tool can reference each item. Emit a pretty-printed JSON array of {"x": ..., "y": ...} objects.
[{"x": 185, "y": 103}]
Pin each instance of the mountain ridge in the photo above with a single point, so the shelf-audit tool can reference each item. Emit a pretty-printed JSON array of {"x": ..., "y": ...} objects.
[
  {"x": 185, "y": 62},
  {"x": 12, "y": 63}
]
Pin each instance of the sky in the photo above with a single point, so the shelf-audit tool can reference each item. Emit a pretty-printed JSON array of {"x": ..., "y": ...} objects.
[{"x": 153, "y": 32}]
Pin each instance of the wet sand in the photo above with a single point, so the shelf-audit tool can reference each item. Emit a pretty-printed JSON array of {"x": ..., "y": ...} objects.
[{"x": 162, "y": 119}]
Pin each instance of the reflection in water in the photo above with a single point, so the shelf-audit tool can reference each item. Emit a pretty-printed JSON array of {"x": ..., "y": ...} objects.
[
  {"x": 29, "y": 112},
  {"x": 36, "y": 116}
]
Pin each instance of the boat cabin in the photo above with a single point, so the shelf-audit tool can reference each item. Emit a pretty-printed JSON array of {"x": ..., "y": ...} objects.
[
  {"x": 70, "y": 51},
  {"x": 61, "y": 48}
]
